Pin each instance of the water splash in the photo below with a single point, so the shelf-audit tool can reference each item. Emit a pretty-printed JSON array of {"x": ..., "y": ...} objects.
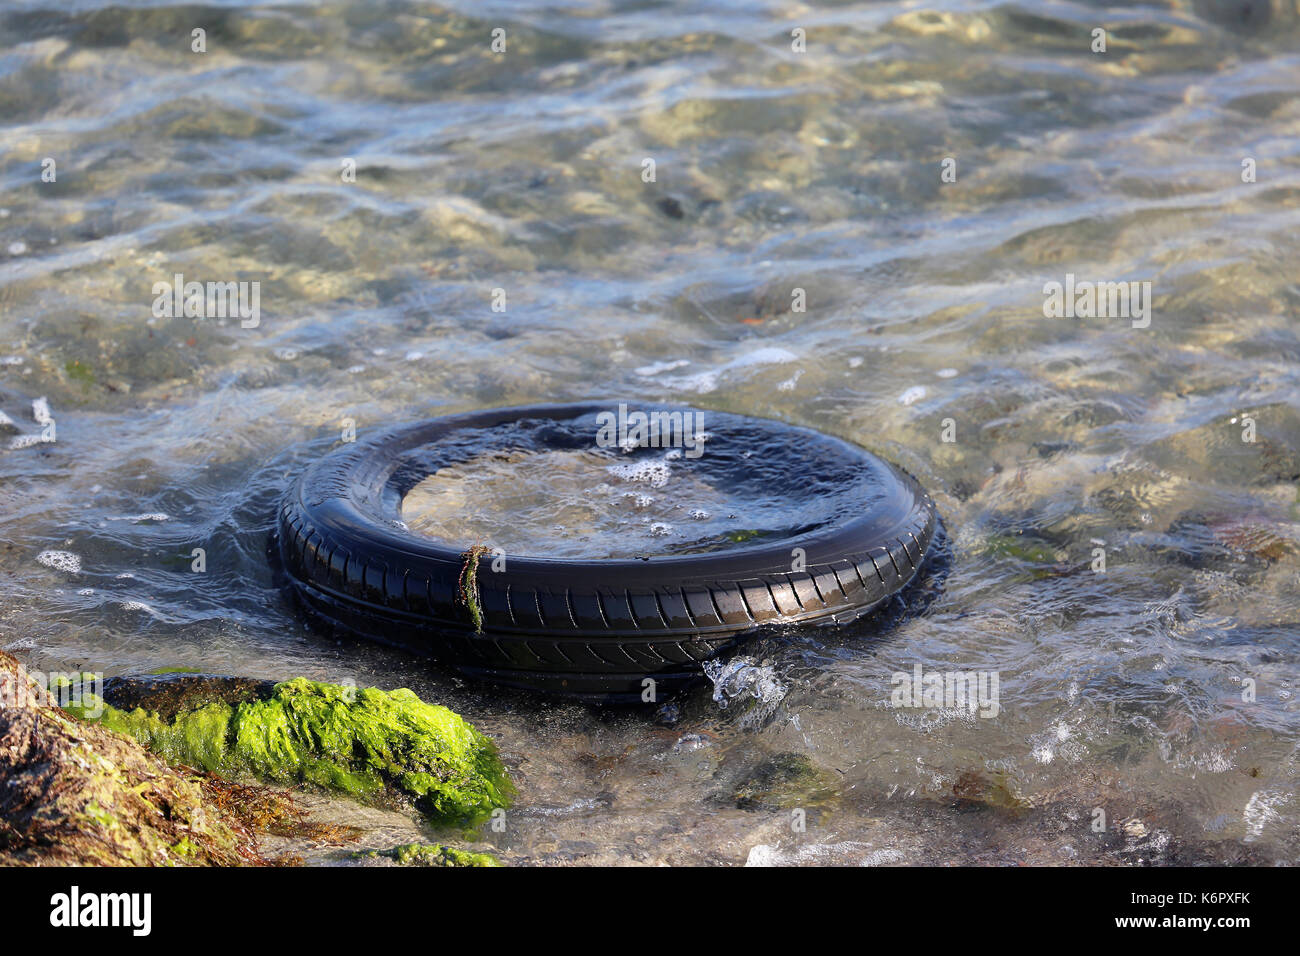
[{"x": 743, "y": 679}]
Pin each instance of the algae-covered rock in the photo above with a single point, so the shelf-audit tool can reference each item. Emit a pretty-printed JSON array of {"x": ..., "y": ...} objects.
[
  {"x": 1020, "y": 547},
  {"x": 428, "y": 854},
  {"x": 783, "y": 781},
  {"x": 997, "y": 791},
  {"x": 364, "y": 743},
  {"x": 75, "y": 794}
]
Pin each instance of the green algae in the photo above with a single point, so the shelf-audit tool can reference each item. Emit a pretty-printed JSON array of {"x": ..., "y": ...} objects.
[
  {"x": 80, "y": 373},
  {"x": 431, "y": 854},
  {"x": 469, "y": 594},
  {"x": 1015, "y": 546},
  {"x": 363, "y": 743},
  {"x": 98, "y": 814}
]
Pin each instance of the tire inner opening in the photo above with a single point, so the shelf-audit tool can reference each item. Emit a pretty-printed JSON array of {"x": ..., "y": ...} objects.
[{"x": 549, "y": 489}]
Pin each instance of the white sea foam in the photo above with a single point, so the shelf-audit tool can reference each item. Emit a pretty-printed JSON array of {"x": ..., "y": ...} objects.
[
  {"x": 60, "y": 561},
  {"x": 766, "y": 854},
  {"x": 652, "y": 473},
  {"x": 709, "y": 381},
  {"x": 647, "y": 371}
]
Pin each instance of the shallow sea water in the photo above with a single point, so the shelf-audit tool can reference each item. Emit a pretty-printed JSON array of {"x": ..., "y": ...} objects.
[{"x": 1161, "y": 691}]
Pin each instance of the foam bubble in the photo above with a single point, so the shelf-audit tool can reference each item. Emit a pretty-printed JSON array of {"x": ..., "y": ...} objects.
[
  {"x": 60, "y": 561},
  {"x": 653, "y": 473},
  {"x": 140, "y": 606}
]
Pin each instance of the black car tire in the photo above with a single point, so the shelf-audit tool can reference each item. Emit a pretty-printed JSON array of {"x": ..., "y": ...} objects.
[{"x": 586, "y": 628}]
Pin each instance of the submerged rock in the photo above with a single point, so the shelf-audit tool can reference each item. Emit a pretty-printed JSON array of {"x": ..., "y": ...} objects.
[
  {"x": 364, "y": 743},
  {"x": 429, "y": 854},
  {"x": 76, "y": 794},
  {"x": 979, "y": 789},
  {"x": 1020, "y": 546},
  {"x": 784, "y": 781}
]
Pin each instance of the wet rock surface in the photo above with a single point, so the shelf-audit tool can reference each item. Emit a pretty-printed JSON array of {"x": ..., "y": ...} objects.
[
  {"x": 75, "y": 794},
  {"x": 783, "y": 781},
  {"x": 168, "y": 695},
  {"x": 429, "y": 854}
]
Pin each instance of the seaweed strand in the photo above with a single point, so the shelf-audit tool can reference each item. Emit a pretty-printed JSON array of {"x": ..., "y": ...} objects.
[{"x": 469, "y": 595}]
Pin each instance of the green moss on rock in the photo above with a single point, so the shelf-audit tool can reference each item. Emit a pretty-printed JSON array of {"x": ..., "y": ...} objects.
[
  {"x": 359, "y": 742},
  {"x": 1020, "y": 547},
  {"x": 429, "y": 854}
]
